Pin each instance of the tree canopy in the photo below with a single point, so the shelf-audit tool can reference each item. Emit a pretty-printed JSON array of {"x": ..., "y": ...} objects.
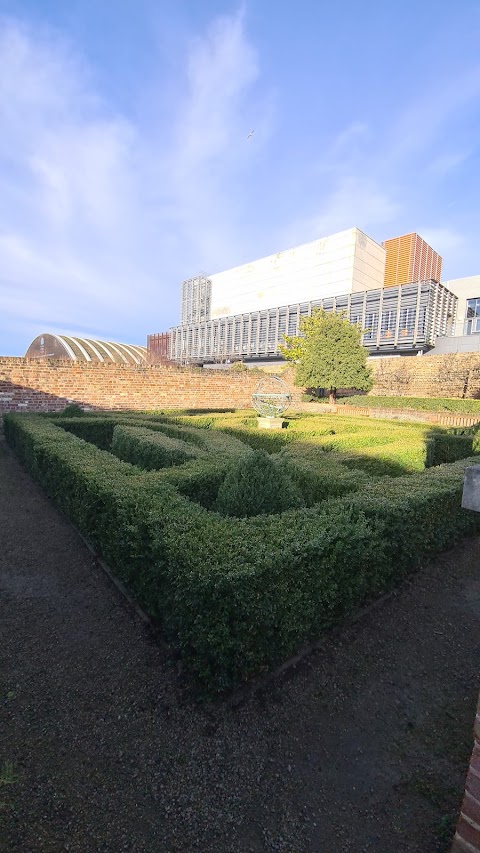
[{"x": 328, "y": 353}]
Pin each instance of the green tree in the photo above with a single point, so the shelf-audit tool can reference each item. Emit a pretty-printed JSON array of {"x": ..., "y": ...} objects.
[{"x": 328, "y": 354}]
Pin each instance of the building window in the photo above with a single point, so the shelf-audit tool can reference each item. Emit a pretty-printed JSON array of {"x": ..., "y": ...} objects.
[
  {"x": 422, "y": 319},
  {"x": 371, "y": 325},
  {"x": 407, "y": 322},
  {"x": 472, "y": 317},
  {"x": 388, "y": 323}
]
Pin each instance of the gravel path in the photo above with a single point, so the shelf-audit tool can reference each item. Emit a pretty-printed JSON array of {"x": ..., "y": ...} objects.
[{"x": 363, "y": 747}]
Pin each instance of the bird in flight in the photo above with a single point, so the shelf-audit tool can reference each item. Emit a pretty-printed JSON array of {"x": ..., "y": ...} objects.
[{"x": 250, "y": 134}]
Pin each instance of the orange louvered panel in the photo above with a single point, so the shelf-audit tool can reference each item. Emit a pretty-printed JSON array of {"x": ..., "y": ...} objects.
[{"x": 409, "y": 259}]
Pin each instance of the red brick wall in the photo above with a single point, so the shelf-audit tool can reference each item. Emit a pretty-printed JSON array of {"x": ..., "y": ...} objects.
[
  {"x": 449, "y": 375},
  {"x": 36, "y": 386},
  {"x": 467, "y": 836},
  {"x": 30, "y": 385}
]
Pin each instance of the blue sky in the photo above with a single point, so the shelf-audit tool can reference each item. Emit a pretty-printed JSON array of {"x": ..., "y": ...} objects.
[{"x": 124, "y": 159}]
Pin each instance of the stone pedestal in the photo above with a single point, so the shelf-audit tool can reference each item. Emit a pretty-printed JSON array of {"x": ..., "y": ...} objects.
[
  {"x": 270, "y": 423},
  {"x": 471, "y": 488}
]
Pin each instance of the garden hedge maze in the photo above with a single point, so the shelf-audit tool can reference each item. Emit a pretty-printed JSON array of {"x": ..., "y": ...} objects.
[{"x": 247, "y": 544}]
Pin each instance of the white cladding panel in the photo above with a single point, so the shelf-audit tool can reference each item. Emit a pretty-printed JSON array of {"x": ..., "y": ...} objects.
[
  {"x": 463, "y": 288},
  {"x": 330, "y": 266},
  {"x": 369, "y": 264}
]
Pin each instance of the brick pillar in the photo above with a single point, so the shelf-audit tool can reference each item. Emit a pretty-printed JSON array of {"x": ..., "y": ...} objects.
[{"x": 467, "y": 836}]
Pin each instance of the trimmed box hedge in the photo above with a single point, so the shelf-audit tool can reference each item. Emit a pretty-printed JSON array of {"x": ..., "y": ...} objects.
[
  {"x": 151, "y": 450},
  {"x": 237, "y": 596},
  {"x": 426, "y": 404}
]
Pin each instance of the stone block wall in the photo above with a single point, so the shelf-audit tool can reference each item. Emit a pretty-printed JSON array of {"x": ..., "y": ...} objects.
[{"x": 47, "y": 386}]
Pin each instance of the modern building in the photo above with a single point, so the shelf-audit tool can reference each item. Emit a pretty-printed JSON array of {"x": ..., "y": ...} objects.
[
  {"x": 404, "y": 319},
  {"x": 410, "y": 258},
  {"x": 66, "y": 347},
  {"x": 245, "y": 312},
  {"x": 158, "y": 348},
  {"x": 466, "y": 331},
  {"x": 333, "y": 266}
]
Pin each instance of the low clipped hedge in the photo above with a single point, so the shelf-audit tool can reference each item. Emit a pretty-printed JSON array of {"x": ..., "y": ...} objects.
[
  {"x": 238, "y": 595},
  {"x": 98, "y": 431},
  {"x": 318, "y": 482},
  {"x": 424, "y": 404},
  {"x": 151, "y": 450},
  {"x": 451, "y": 445}
]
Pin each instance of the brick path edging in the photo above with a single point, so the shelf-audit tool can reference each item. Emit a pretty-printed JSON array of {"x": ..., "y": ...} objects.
[{"x": 467, "y": 836}]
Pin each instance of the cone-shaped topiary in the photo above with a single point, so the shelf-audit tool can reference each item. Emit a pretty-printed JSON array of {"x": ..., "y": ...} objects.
[{"x": 255, "y": 484}]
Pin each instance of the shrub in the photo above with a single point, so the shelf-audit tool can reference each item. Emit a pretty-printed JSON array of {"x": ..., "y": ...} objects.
[
  {"x": 270, "y": 442},
  {"x": 151, "y": 450},
  {"x": 73, "y": 410},
  {"x": 425, "y": 404},
  {"x": 98, "y": 431},
  {"x": 450, "y": 445},
  {"x": 236, "y": 595},
  {"x": 255, "y": 485},
  {"x": 213, "y": 441},
  {"x": 319, "y": 480}
]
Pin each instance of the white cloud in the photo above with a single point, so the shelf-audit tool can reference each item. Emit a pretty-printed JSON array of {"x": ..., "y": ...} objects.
[
  {"x": 356, "y": 200},
  {"x": 444, "y": 240},
  {"x": 372, "y": 176},
  {"x": 353, "y": 201},
  {"x": 98, "y": 214},
  {"x": 219, "y": 69},
  {"x": 210, "y": 139},
  {"x": 423, "y": 121},
  {"x": 444, "y": 164}
]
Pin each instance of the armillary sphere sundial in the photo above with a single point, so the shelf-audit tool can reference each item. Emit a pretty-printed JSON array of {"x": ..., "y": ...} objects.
[{"x": 271, "y": 399}]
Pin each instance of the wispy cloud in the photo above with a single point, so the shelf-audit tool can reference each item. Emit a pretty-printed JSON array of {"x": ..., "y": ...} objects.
[
  {"x": 444, "y": 164},
  {"x": 210, "y": 135},
  {"x": 446, "y": 240},
  {"x": 98, "y": 213},
  {"x": 382, "y": 176},
  {"x": 422, "y": 122},
  {"x": 220, "y": 67},
  {"x": 103, "y": 212},
  {"x": 353, "y": 201}
]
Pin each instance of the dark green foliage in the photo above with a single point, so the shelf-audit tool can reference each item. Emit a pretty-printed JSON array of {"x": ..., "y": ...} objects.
[
  {"x": 151, "y": 450},
  {"x": 244, "y": 594},
  {"x": 212, "y": 441},
  {"x": 255, "y": 485},
  {"x": 271, "y": 442},
  {"x": 329, "y": 354},
  {"x": 238, "y": 595},
  {"x": 446, "y": 446},
  {"x": 98, "y": 431},
  {"x": 73, "y": 410},
  {"x": 198, "y": 481},
  {"x": 319, "y": 481},
  {"x": 424, "y": 404}
]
